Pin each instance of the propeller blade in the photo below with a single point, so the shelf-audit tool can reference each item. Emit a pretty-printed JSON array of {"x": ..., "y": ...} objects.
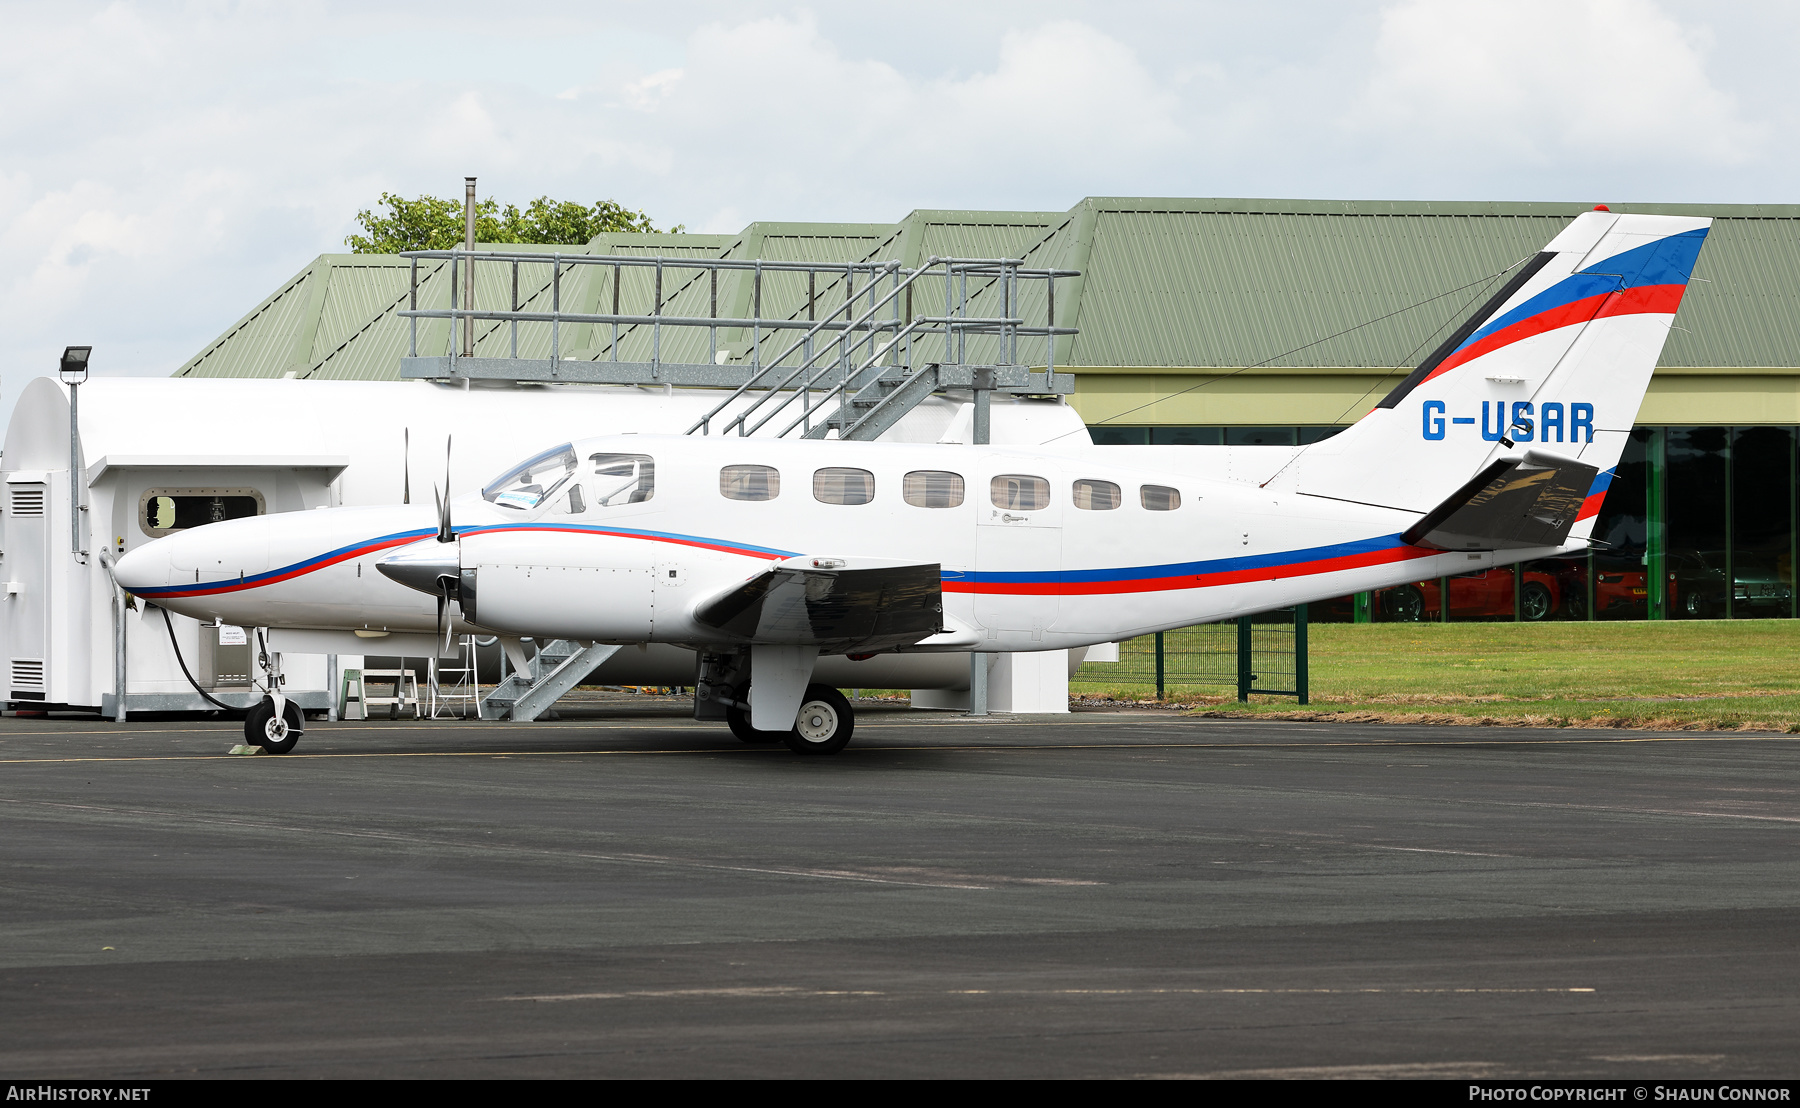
[
  {"x": 406, "y": 467},
  {"x": 445, "y": 532}
]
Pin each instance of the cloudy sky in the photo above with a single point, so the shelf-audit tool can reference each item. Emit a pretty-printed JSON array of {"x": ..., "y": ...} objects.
[{"x": 163, "y": 166}]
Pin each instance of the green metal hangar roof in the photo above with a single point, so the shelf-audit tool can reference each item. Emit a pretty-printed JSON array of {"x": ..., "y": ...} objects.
[{"x": 1191, "y": 311}]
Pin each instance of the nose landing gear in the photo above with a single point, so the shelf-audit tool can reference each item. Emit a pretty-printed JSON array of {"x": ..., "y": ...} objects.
[
  {"x": 275, "y": 734},
  {"x": 277, "y": 723}
]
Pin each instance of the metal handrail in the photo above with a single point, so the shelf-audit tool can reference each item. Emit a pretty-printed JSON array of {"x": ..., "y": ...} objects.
[
  {"x": 855, "y": 324},
  {"x": 670, "y": 320},
  {"x": 842, "y": 388}
]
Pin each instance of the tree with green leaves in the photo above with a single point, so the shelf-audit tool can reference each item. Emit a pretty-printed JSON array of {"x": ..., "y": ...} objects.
[{"x": 431, "y": 223}]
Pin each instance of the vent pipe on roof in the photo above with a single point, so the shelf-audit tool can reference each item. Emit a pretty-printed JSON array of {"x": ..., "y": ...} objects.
[{"x": 468, "y": 342}]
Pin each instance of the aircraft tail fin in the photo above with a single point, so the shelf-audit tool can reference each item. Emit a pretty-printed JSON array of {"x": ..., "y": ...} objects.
[{"x": 1557, "y": 360}]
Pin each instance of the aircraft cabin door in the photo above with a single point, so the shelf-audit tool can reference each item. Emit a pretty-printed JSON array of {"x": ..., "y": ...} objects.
[{"x": 1018, "y": 536}]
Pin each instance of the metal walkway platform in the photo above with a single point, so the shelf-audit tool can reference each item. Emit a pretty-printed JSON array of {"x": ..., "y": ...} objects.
[{"x": 824, "y": 350}]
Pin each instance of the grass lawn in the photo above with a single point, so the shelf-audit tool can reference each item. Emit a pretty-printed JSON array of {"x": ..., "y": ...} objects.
[{"x": 1692, "y": 674}]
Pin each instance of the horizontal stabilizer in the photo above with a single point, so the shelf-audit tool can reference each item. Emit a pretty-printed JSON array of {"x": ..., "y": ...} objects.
[
  {"x": 838, "y": 604},
  {"x": 1513, "y": 504}
]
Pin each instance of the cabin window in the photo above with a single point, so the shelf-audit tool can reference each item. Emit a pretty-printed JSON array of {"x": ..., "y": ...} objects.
[
  {"x": 1159, "y": 498},
  {"x": 577, "y": 502},
  {"x": 622, "y": 479},
  {"x": 1019, "y": 492},
  {"x": 1097, "y": 496},
  {"x": 933, "y": 488},
  {"x": 749, "y": 482},
  {"x": 166, "y": 511},
  {"x": 533, "y": 481},
  {"x": 841, "y": 485}
]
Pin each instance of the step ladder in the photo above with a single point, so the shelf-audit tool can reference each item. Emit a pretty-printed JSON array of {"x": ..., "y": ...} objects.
[
  {"x": 558, "y": 666},
  {"x": 455, "y": 689}
]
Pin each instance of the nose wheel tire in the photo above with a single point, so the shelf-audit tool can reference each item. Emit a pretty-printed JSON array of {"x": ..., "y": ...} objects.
[
  {"x": 824, "y": 724},
  {"x": 275, "y": 736}
]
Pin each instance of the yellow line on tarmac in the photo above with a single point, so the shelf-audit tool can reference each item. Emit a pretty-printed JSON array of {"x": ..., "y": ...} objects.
[
  {"x": 1017, "y": 748},
  {"x": 336, "y": 728}
]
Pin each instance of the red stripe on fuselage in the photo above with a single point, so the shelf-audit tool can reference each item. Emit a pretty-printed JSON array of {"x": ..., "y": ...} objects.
[
  {"x": 212, "y": 589},
  {"x": 1638, "y": 301},
  {"x": 1193, "y": 581}
]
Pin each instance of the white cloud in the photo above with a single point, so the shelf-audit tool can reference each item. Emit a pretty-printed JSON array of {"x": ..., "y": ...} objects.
[
  {"x": 1550, "y": 82},
  {"x": 646, "y": 94},
  {"x": 775, "y": 111}
]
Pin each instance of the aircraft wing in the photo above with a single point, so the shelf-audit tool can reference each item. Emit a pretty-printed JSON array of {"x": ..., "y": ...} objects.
[
  {"x": 843, "y": 605},
  {"x": 1514, "y": 503}
]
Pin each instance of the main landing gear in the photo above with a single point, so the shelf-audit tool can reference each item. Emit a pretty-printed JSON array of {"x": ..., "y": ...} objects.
[{"x": 824, "y": 725}]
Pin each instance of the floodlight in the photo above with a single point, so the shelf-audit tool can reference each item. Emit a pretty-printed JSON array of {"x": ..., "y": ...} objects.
[{"x": 75, "y": 364}]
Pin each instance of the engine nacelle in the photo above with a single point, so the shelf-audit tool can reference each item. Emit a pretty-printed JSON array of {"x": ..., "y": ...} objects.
[{"x": 561, "y": 586}]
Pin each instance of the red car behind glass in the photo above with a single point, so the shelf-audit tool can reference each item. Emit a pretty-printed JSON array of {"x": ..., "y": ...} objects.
[
  {"x": 1484, "y": 594},
  {"x": 1615, "y": 588}
]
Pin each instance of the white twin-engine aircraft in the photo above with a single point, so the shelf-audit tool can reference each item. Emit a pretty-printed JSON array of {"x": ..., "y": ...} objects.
[{"x": 762, "y": 555}]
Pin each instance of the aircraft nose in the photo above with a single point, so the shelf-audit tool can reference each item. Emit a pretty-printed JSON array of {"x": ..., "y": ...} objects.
[
  {"x": 419, "y": 566},
  {"x": 145, "y": 567}
]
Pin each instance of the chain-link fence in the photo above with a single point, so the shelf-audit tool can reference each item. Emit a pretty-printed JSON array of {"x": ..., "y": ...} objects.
[{"x": 1263, "y": 654}]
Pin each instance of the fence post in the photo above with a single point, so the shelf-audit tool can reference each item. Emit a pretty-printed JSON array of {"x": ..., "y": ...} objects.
[
  {"x": 1656, "y": 534},
  {"x": 1159, "y": 665},
  {"x": 1244, "y": 676},
  {"x": 1300, "y": 651}
]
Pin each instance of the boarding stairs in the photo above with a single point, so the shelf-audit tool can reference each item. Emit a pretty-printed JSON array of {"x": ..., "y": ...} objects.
[{"x": 529, "y": 691}]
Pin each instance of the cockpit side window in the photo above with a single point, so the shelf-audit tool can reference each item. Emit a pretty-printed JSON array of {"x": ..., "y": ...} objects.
[
  {"x": 622, "y": 479},
  {"x": 533, "y": 481}
]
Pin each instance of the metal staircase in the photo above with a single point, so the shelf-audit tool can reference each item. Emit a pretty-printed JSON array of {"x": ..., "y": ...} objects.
[{"x": 558, "y": 666}]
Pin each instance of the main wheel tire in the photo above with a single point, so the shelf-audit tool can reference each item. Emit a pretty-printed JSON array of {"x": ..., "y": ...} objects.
[
  {"x": 739, "y": 721},
  {"x": 824, "y": 724},
  {"x": 1535, "y": 602},
  {"x": 1406, "y": 604},
  {"x": 261, "y": 728}
]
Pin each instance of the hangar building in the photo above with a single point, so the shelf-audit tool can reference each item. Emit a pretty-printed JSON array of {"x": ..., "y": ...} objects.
[{"x": 1264, "y": 321}]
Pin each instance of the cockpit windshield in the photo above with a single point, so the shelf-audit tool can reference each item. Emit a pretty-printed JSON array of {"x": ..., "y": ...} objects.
[{"x": 533, "y": 481}]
